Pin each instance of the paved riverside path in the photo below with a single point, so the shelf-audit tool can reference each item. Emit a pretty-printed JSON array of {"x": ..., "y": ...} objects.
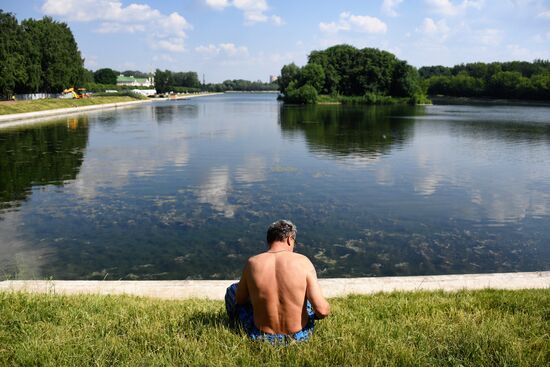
[
  {"x": 215, "y": 289},
  {"x": 27, "y": 118}
]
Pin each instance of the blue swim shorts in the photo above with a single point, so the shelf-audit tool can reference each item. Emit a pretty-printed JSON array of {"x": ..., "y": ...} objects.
[{"x": 244, "y": 315}]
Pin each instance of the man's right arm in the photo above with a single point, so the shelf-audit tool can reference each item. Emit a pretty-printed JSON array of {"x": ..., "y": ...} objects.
[
  {"x": 242, "y": 295},
  {"x": 314, "y": 294}
]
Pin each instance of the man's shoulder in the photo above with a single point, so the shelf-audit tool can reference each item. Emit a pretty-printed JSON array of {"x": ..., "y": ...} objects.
[
  {"x": 256, "y": 258},
  {"x": 301, "y": 257},
  {"x": 295, "y": 256}
]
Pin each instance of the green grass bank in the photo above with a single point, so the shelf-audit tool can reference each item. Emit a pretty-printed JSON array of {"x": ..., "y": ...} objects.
[
  {"x": 467, "y": 328},
  {"x": 11, "y": 107}
]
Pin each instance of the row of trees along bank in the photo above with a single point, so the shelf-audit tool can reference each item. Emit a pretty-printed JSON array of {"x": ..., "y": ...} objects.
[
  {"x": 37, "y": 56},
  {"x": 517, "y": 80},
  {"x": 348, "y": 74}
]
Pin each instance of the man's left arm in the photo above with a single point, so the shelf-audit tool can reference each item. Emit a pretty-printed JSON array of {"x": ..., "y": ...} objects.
[{"x": 242, "y": 295}]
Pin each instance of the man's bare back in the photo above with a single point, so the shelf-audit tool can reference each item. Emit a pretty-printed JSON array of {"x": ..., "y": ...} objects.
[{"x": 278, "y": 283}]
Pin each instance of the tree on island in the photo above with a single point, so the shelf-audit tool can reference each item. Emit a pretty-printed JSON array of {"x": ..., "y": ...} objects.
[{"x": 344, "y": 70}]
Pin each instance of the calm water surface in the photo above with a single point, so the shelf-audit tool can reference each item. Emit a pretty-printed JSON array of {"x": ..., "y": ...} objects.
[{"x": 186, "y": 189}]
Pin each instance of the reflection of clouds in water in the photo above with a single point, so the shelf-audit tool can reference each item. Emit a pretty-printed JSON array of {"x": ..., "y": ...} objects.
[
  {"x": 384, "y": 175},
  {"x": 358, "y": 160},
  {"x": 513, "y": 205},
  {"x": 442, "y": 159},
  {"x": 428, "y": 184},
  {"x": 253, "y": 170},
  {"x": 215, "y": 191},
  {"x": 112, "y": 167},
  {"x": 16, "y": 254}
]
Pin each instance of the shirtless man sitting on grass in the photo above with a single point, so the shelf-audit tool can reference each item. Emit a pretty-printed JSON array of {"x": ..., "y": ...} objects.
[{"x": 278, "y": 296}]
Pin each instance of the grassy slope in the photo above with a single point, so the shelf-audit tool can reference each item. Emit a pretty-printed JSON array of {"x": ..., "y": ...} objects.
[
  {"x": 50, "y": 104},
  {"x": 482, "y": 328}
]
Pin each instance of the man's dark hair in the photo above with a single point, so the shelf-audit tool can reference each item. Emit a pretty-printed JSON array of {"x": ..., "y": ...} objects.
[{"x": 280, "y": 230}]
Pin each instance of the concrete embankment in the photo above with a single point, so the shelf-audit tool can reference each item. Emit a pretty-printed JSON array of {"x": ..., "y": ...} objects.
[
  {"x": 18, "y": 119},
  {"x": 215, "y": 289}
]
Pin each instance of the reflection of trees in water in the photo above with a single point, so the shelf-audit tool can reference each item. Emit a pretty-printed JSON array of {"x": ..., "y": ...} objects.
[
  {"x": 49, "y": 154},
  {"x": 349, "y": 130},
  {"x": 167, "y": 113},
  {"x": 510, "y": 132},
  {"x": 509, "y": 124}
]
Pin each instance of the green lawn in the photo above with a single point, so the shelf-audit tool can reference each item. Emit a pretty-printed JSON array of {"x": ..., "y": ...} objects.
[
  {"x": 469, "y": 328},
  {"x": 50, "y": 104}
]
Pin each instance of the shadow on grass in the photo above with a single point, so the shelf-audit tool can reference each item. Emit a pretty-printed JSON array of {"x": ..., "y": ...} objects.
[{"x": 211, "y": 319}]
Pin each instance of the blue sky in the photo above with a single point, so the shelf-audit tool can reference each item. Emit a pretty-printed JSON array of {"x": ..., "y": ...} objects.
[{"x": 252, "y": 39}]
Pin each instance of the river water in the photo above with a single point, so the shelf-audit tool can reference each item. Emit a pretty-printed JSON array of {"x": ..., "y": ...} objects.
[{"x": 186, "y": 189}]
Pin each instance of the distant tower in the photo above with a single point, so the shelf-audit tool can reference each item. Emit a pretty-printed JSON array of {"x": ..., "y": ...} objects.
[
  {"x": 203, "y": 79},
  {"x": 273, "y": 78}
]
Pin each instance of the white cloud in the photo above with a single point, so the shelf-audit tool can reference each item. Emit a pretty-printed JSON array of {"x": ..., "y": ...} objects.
[
  {"x": 355, "y": 23},
  {"x": 106, "y": 10},
  {"x": 120, "y": 28},
  {"x": 209, "y": 50},
  {"x": 545, "y": 14},
  {"x": 228, "y": 49},
  {"x": 277, "y": 20},
  {"x": 447, "y": 7},
  {"x": 254, "y": 11},
  {"x": 388, "y": 7},
  {"x": 489, "y": 37},
  {"x": 174, "y": 24},
  {"x": 167, "y": 31},
  {"x": 232, "y": 50},
  {"x": 541, "y": 38},
  {"x": 217, "y": 4},
  {"x": 163, "y": 57},
  {"x": 431, "y": 28},
  {"x": 170, "y": 44},
  {"x": 517, "y": 52}
]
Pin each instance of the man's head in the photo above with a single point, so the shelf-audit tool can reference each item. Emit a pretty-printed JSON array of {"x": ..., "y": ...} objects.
[{"x": 281, "y": 230}]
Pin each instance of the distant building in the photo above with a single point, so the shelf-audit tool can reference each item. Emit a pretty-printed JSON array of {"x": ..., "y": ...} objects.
[
  {"x": 273, "y": 78},
  {"x": 135, "y": 82}
]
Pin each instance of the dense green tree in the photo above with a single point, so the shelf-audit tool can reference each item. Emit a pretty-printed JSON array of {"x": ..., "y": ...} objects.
[
  {"x": 60, "y": 59},
  {"x": 186, "y": 79},
  {"x": 346, "y": 70},
  {"x": 508, "y": 84},
  {"x": 87, "y": 76},
  {"x": 405, "y": 81},
  {"x": 241, "y": 85},
  {"x": 163, "y": 80},
  {"x": 105, "y": 76},
  {"x": 540, "y": 86},
  {"x": 314, "y": 75},
  {"x": 135, "y": 73},
  {"x": 12, "y": 59},
  {"x": 438, "y": 70},
  {"x": 166, "y": 81},
  {"x": 515, "y": 79},
  {"x": 289, "y": 73},
  {"x": 306, "y": 94}
]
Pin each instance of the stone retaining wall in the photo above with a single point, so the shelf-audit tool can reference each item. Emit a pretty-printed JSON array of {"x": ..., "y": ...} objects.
[{"x": 215, "y": 289}]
